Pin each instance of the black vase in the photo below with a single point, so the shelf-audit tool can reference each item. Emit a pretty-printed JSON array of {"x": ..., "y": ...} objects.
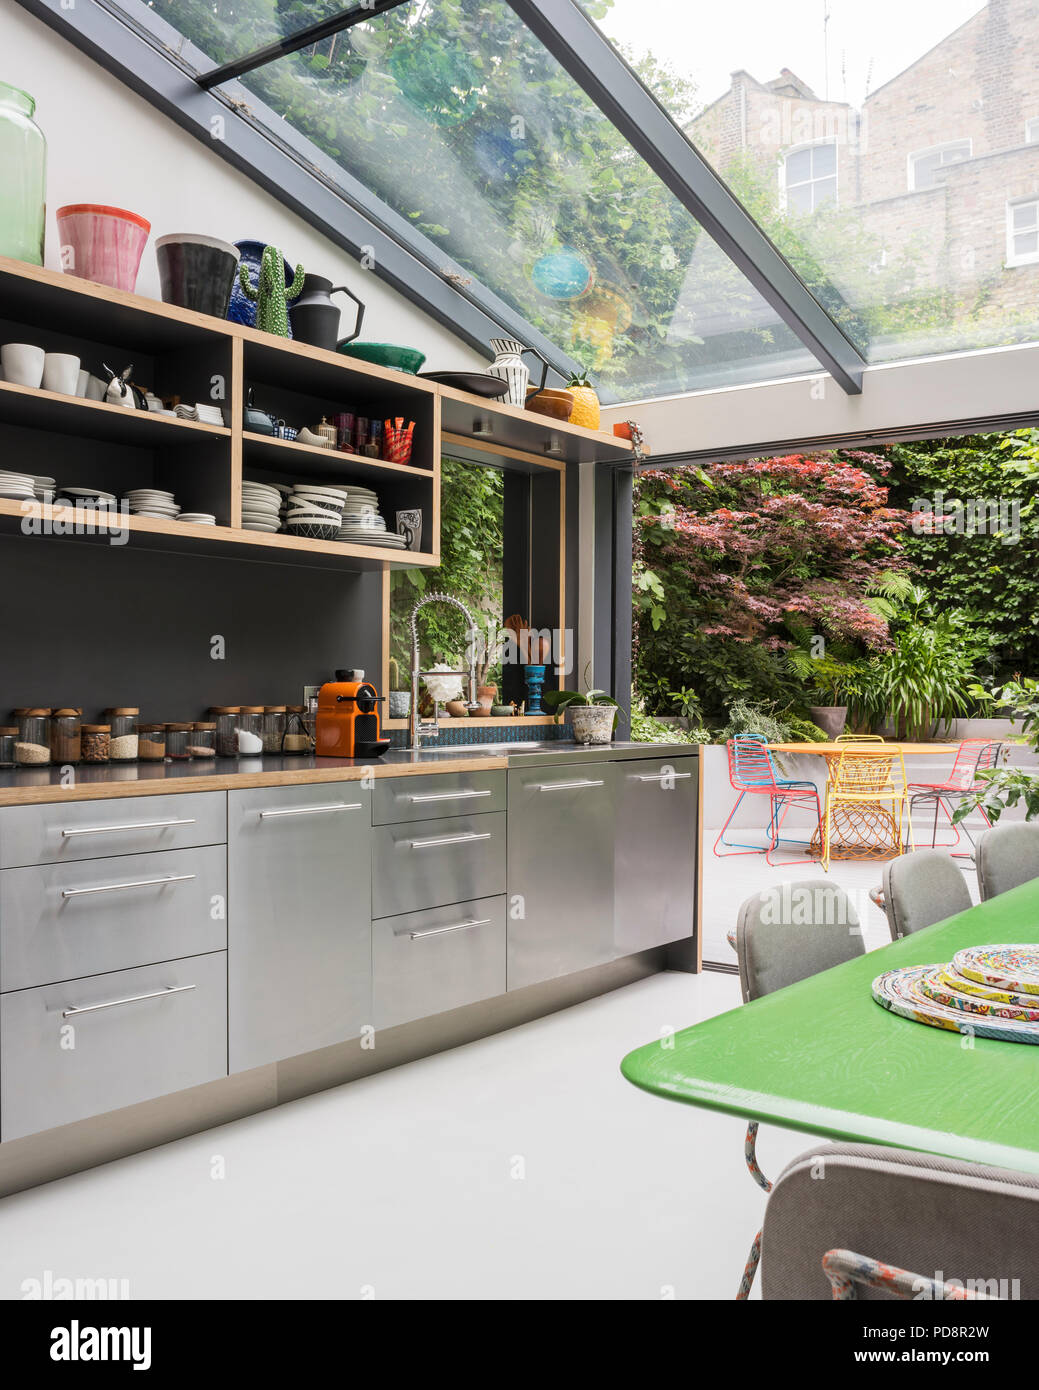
[
  {"x": 315, "y": 319},
  {"x": 197, "y": 272}
]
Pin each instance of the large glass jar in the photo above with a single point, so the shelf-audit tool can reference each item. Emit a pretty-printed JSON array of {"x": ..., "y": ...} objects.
[
  {"x": 250, "y": 731},
  {"x": 203, "y": 739},
  {"x": 123, "y": 722},
  {"x": 296, "y": 739},
  {"x": 273, "y": 728},
  {"x": 65, "y": 735},
  {"x": 178, "y": 737},
  {"x": 96, "y": 743},
  {"x": 8, "y": 738},
  {"x": 33, "y": 747},
  {"x": 151, "y": 743},
  {"x": 226, "y": 719},
  {"x": 23, "y": 158}
]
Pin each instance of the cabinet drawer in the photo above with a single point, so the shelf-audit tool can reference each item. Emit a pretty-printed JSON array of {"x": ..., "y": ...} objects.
[
  {"x": 428, "y": 962},
  {"x": 62, "y": 831},
  {"x": 442, "y": 794},
  {"x": 61, "y": 921},
  {"x": 655, "y": 856},
  {"x": 140, "y": 1034},
  {"x": 450, "y": 861}
]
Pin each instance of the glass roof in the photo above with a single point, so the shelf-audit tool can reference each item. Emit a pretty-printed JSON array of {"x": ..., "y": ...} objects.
[
  {"x": 455, "y": 116},
  {"x": 890, "y": 150}
]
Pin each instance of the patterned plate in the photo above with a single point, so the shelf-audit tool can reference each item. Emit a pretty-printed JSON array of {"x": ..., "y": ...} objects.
[
  {"x": 899, "y": 991},
  {"x": 1007, "y": 967},
  {"x": 936, "y": 986}
]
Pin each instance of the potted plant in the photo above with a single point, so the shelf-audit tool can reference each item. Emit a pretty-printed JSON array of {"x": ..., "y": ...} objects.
[
  {"x": 400, "y": 700},
  {"x": 586, "y": 402},
  {"x": 490, "y": 657},
  {"x": 593, "y": 715},
  {"x": 830, "y": 682}
]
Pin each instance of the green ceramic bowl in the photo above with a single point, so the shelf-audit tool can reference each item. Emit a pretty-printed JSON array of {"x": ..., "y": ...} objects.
[{"x": 403, "y": 359}]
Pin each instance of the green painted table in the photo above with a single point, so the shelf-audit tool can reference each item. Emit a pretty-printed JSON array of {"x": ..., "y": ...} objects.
[{"x": 821, "y": 1056}]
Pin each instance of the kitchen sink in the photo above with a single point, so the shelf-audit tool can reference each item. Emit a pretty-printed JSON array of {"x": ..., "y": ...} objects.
[{"x": 457, "y": 750}]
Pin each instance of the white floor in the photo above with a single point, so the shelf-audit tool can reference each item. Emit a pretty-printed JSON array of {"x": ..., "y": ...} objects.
[{"x": 521, "y": 1166}]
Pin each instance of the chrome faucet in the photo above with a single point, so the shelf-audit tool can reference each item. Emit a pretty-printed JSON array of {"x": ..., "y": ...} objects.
[{"x": 426, "y": 728}]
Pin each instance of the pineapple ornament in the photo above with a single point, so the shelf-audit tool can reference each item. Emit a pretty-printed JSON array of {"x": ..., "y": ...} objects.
[{"x": 586, "y": 402}]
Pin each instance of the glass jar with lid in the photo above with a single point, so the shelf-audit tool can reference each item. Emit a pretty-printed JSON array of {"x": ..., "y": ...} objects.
[
  {"x": 226, "y": 719},
  {"x": 123, "y": 723},
  {"x": 96, "y": 743},
  {"x": 33, "y": 747},
  {"x": 65, "y": 731},
  {"x": 273, "y": 728},
  {"x": 250, "y": 731},
  {"x": 8, "y": 738},
  {"x": 178, "y": 737},
  {"x": 296, "y": 739},
  {"x": 203, "y": 739},
  {"x": 151, "y": 743}
]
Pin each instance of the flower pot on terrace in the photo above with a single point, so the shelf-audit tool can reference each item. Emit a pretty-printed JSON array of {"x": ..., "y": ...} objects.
[
  {"x": 830, "y": 718},
  {"x": 592, "y": 723}
]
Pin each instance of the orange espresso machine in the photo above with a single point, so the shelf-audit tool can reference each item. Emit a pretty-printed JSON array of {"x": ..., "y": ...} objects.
[{"x": 348, "y": 718}]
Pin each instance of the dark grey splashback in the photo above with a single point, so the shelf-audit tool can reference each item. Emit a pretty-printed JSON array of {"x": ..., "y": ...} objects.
[{"x": 85, "y": 623}]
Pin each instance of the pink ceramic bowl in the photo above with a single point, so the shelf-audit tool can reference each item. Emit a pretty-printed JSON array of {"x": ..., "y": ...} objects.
[{"x": 102, "y": 244}]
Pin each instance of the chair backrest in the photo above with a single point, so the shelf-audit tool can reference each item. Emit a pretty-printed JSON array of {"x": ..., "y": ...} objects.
[
  {"x": 922, "y": 888},
  {"x": 895, "y": 1205},
  {"x": 751, "y": 765},
  {"x": 974, "y": 755},
  {"x": 859, "y": 738},
  {"x": 868, "y": 771},
  {"x": 792, "y": 930},
  {"x": 1007, "y": 856}
]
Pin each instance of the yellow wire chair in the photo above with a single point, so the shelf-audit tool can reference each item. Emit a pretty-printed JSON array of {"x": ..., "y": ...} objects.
[
  {"x": 859, "y": 738},
  {"x": 869, "y": 788}
]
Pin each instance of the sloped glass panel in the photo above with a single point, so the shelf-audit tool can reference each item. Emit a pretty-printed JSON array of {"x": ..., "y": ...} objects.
[{"x": 932, "y": 111}]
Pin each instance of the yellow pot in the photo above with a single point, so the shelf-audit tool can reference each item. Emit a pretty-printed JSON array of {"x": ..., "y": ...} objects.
[{"x": 586, "y": 407}]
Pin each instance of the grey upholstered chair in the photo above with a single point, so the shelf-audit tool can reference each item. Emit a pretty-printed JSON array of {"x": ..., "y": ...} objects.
[
  {"x": 1007, "y": 856},
  {"x": 894, "y": 1205},
  {"x": 784, "y": 934},
  {"x": 920, "y": 889}
]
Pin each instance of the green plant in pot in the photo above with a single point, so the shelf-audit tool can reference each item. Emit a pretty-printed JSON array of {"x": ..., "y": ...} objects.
[
  {"x": 399, "y": 703},
  {"x": 829, "y": 682},
  {"x": 593, "y": 715}
]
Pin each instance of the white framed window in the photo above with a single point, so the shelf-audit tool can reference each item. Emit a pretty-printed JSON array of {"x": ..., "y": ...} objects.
[
  {"x": 924, "y": 164},
  {"x": 1023, "y": 232},
  {"x": 1032, "y": 131},
  {"x": 808, "y": 176}
]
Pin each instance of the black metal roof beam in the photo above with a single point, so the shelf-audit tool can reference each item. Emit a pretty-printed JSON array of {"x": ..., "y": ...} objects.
[
  {"x": 581, "y": 48},
  {"x": 324, "y": 29}
]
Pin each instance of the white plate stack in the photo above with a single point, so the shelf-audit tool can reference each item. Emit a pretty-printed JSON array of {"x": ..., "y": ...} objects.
[
  {"x": 18, "y": 486},
  {"x": 154, "y": 502},
  {"x": 261, "y": 507},
  {"x": 362, "y": 522},
  {"x": 201, "y": 412},
  {"x": 43, "y": 487}
]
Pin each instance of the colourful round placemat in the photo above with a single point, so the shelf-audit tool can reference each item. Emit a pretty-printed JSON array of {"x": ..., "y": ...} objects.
[
  {"x": 899, "y": 991},
  {"x": 963, "y": 985},
  {"x": 1007, "y": 967},
  {"x": 941, "y": 987}
]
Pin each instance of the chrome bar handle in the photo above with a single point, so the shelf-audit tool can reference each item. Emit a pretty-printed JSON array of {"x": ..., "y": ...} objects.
[
  {"x": 313, "y": 810},
  {"x": 137, "y": 825},
  {"x": 131, "y": 999},
  {"x": 445, "y": 796},
  {"x": 118, "y": 887},
  {"x": 660, "y": 776},
  {"x": 457, "y": 926},
  {"x": 567, "y": 786},
  {"x": 465, "y": 839}
]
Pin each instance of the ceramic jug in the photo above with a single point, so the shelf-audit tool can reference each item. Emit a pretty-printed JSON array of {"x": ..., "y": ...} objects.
[
  {"x": 509, "y": 366},
  {"x": 315, "y": 319}
]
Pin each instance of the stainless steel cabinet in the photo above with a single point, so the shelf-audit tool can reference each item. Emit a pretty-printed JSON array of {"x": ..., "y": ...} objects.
[
  {"x": 299, "y": 926},
  {"x": 655, "y": 852},
  {"x": 560, "y": 870},
  {"x": 96, "y": 1044},
  {"x": 60, "y": 832},
  {"x": 397, "y": 799},
  {"x": 438, "y": 862}
]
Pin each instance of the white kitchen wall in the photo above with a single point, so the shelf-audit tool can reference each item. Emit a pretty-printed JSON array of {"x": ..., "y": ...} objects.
[{"x": 107, "y": 145}]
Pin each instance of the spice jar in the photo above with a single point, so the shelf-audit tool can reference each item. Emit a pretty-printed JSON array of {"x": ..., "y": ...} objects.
[
  {"x": 296, "y": 740},
  {"x": 65, "y": 735},
  {"x": 250, "y": 731},
  {"x": 203, "y": 740},
  {"x": 178, "y": 736},
  {"x": 151, "y": 743},
  {"x": 273, "y": 728},
  {"x": 33, "y": 746},
  {"x": 226, "y": 718},
  {"x": 95, "y": 743},
  {"x": 123, "y": 723},
  {"x": 8, "y": 738}
]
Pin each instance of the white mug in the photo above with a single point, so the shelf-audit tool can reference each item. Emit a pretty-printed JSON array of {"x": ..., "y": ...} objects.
[
  {"x": 23, "y": 363},
  {"x": 82, "y": 382},
  {"x": 95, "y": 388},
  {"x": 60, "y": 373}
]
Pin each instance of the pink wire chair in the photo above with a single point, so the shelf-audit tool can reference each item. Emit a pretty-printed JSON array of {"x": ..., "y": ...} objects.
[
  {"x": 974, "y": 755},
  {"x": 752, "y": 772}
]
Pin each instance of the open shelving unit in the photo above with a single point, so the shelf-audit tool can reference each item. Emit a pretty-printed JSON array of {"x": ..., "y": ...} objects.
[{"x": 192, "y": 356}]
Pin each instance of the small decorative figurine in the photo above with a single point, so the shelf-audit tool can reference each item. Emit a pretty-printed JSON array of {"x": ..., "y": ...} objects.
[
  {"x": 122, "y": 391},
  {"x": 271, "y": 292}
]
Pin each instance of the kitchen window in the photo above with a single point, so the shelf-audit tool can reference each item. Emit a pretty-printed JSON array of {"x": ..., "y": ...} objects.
[
  {"x": 924, "y": 165},
  {"x": 1023, "y": 232},
  {"x": 808, "y": 177}
]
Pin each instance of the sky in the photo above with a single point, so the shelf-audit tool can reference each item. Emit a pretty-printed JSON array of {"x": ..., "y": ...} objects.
[{"x": 867, "y": 41}]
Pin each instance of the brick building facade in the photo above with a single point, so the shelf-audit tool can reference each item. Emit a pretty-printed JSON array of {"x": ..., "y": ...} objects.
[{"x": 940, "y": 167}]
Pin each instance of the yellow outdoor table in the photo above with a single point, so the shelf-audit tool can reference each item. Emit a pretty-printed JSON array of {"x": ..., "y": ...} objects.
[{"x": 823, "y": 1057}]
